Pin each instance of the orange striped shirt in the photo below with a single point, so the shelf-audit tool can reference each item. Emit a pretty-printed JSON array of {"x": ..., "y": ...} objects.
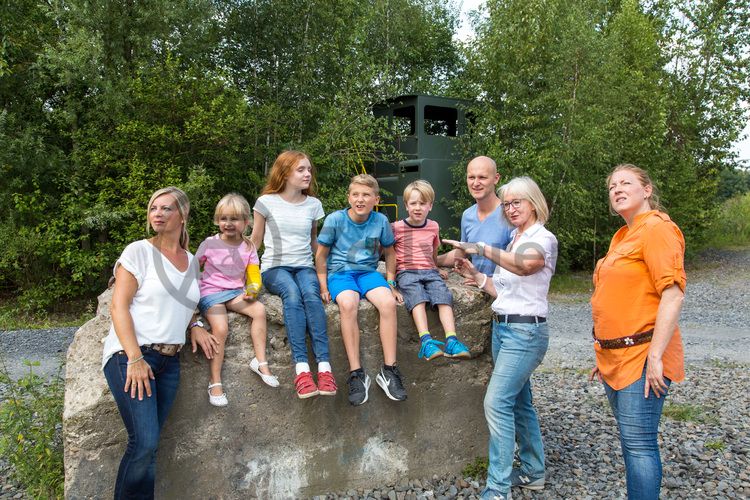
[{"x": 642, "y": 261}]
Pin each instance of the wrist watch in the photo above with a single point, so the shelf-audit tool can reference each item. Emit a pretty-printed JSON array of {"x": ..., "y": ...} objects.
[
  {"x": 197, "y": 322},
  {"x": 480, "y": 247}
]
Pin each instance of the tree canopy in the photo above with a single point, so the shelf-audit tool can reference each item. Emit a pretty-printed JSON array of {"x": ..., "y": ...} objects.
[{"x": 104, "y": 102}]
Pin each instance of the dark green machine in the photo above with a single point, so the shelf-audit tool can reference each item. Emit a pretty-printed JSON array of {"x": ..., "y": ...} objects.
[{"x": 427, "y": 128}]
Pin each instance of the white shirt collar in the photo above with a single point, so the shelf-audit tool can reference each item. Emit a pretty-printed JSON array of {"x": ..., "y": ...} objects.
[{"x": 531, "y": 231}]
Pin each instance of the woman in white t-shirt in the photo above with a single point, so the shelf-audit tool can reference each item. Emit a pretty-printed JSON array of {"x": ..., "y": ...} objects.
[
  {"x": 286, "y": 220},
  {"x": 154, "y": 299},
  {"x": 520, "y": 336}
]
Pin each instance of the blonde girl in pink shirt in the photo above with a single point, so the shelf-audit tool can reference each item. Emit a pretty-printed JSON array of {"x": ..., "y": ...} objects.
[{"x": 231, "y": 280}]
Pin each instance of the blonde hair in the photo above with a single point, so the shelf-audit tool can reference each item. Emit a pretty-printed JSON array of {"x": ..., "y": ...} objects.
[
  {"x": 183, "y": 207},
  {"x": 643, "y": 178},
  {"x": 365, "y": 180},
  {"x": 424, "y": 189},
  {"x": 234, "y": 204},
  {"x": 527, "y": 189}
]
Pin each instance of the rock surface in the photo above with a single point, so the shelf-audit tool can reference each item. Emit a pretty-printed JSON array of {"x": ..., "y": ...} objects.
[{"x": 267, "y": 442}]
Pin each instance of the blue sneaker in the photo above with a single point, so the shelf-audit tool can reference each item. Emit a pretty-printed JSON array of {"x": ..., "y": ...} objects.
[
  {"x": 430, "y": 349},
  {"x": 455, "y": 349}
]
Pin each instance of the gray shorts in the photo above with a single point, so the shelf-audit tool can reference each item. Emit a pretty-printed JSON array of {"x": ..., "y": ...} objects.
[{"x": 423, "y": 285}]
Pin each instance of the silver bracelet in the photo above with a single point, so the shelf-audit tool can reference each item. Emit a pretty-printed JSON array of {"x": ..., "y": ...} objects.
[
  {"x": 484, "y": 282},
  {"x": 135, "y": 360}
]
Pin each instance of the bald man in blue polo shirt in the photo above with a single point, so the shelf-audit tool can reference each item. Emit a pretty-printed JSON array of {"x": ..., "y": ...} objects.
[{"x": 483, "y": 221}]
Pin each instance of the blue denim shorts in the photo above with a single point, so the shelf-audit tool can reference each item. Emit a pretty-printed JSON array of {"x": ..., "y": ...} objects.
[
  {"x": 423, "y": 285},
  {"x": 205, "y": 303},
  {"x": 359, "y": 281}
]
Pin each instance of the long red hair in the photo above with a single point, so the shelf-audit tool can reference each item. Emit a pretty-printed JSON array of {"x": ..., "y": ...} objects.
[{"x": 282, "y": 167}]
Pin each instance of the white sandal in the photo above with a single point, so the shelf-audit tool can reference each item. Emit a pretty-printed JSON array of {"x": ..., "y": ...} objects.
[
  {"x": 268, "y": 379},
  {"x": 220, "y": 400}
]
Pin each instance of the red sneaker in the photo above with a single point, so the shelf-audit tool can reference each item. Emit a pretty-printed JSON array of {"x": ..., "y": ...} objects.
[
  {"x": 327, "y": 384},
  {"x": 305, "y": 385}
]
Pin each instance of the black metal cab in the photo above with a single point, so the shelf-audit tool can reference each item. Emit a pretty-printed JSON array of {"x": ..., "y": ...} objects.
[{"x": 427, "y": 130}]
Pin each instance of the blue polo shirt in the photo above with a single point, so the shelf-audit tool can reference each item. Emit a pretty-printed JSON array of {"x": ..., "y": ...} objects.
[
  {"x": 493, "y": 230},
  {"x": 355, "y": 246}
]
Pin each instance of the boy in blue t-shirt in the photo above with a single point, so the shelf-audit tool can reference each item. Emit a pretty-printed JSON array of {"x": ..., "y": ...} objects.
[{"x": 346, "y": 261}]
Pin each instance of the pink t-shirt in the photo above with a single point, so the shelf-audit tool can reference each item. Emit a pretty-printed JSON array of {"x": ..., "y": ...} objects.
[
  {"x": 415, "y": 246},
  {"x": 223, "y": 264}
]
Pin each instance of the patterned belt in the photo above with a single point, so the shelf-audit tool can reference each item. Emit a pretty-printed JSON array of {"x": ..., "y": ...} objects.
[
  {"x": 629, "y": 341},
  {"x": 163, "y": 349},
  {"x": 517, "y": 318}
]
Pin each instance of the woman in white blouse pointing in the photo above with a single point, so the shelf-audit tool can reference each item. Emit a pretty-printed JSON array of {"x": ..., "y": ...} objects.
[{"x": 519, "y": 335}]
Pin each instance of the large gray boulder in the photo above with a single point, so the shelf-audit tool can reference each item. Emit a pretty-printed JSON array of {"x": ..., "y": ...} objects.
[{"x": 268, "y": 443}]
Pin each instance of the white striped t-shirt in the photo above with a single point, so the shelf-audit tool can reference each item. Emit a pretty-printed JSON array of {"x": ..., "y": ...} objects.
[{"x": 288, "y": 226}]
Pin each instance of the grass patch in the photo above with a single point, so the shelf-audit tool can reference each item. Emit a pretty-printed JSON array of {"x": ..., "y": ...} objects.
[
  {"x": 686, "y": 412},
  {"x": 571, "y": 283},
  {"x": 477, "y": 469},
  {"x": 732, "y": 226},
  {"x": 568, "y": 372},
  {"x": 717, "y": 445},
  {"x": 31, "y": 431},
  {"x": 13, "y": 316},
  {"x": 724, "y": 364}
]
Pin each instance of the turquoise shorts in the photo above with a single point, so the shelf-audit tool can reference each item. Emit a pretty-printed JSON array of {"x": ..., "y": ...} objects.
[{"x": 359, "y": 281}]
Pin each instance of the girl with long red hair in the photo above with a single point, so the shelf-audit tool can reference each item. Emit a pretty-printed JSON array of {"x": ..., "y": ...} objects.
[{"x": 286, "y": 219}]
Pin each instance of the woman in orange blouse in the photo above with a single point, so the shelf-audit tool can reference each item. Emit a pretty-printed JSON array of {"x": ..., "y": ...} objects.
[{"x": 638, "y": 291}]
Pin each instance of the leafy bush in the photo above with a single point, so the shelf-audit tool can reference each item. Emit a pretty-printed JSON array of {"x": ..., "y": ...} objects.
[
  {"x": 31, "y": 431},
  {"x": 732, "y": 225}
]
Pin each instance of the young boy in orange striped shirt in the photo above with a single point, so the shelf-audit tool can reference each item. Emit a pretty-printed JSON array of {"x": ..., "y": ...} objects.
[{"x": 418, "y": 280}]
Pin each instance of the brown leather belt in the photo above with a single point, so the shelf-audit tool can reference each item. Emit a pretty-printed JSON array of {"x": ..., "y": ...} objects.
[
  {"x": 629, "y": 341},
  {"x": 163, "y": 349}
]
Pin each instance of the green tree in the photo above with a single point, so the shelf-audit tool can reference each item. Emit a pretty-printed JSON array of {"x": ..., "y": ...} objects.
[
  {"x": 121, "y": 98},
  {"x": 566, "y": 90}
]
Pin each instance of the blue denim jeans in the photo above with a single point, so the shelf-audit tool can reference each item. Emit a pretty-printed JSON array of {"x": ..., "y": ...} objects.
[
  {"x": 143, "y": 420},
  {"x": 638, "y": 422},
  {"x": 517, "y": 349},
  {"x": 299, "y": 290}
]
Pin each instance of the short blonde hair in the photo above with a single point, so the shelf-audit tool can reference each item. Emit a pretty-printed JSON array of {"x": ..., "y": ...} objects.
[
  {"x": 232, "y": 204},
  {"x": 183, "y": 207},
  {"x": 365, "y": 180},
  {"x": 424, "y": 189},
  {"x": 527, "y": 189}
]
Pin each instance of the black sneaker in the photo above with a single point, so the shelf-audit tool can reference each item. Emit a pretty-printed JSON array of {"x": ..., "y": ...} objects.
[
  {"x": 359, "y": 384},
  {"x": 389, "y": 379}
]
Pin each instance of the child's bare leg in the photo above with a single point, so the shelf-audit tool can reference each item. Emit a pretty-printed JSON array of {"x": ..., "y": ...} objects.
[
  {"x": 383, "y": 300},
  {"x": 217, "y": 318},
  {"x": 446, "y": 318},
  {"x": 348, "y": 302},
  {"x": 419, "y": 313},
  {"x": 256, "y": 311}
]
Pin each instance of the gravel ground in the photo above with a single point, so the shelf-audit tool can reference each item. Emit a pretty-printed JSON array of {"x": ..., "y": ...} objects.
[{"x": 705, "y": 455}]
